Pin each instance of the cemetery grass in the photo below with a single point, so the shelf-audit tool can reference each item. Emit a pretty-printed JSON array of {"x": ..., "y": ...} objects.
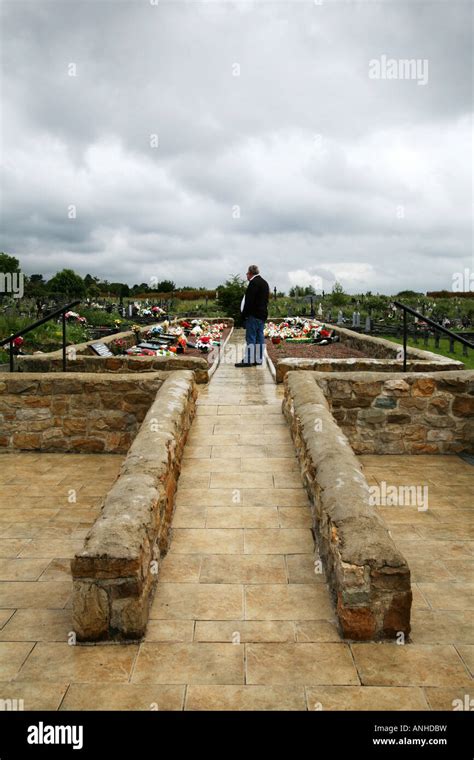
[
  {"x": 443, "y": 349},
  {"x": 47, "y": 337}
]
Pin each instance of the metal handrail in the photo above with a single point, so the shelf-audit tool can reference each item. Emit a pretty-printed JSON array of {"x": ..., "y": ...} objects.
[
  {"x": 38, "y": 323},
  {"x": 408, "y": 310}
]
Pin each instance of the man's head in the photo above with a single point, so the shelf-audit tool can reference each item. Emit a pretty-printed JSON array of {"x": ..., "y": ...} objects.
[{"x": 252, "y": 271}]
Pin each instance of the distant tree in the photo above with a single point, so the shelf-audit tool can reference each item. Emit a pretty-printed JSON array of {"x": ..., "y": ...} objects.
[
  {"x": 338, "y": 296},
  {"x": 35, "y": 286},
  {"x": 409, "y": 294},
  {"x": 90, "y": 281},
  {"x": 93, "y": 291},
  {"x": 230, "y": 297},
  {"x": 67, "y": 283},
  {"x": 165, "y": 286},
  {"x": 299, "y": 291},
  {"x": 9, "y": 263}
]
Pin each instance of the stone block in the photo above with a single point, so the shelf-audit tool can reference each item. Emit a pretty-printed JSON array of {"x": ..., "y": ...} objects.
[
  {"x": 385, "y": 402},
  {"x": 90, "y": 611}
]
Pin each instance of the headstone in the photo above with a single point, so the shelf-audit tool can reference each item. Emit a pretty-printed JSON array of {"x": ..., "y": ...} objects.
[
  {"x": 355, "y": 319},
  {"x": 101, "y": 349},
  {"x": 320, "y": 310},
  {"x": 368, "y": 325},
  {"x": 340, "y": 318}
]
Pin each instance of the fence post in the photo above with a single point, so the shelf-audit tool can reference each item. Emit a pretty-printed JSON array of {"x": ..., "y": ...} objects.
[
  {"x": 404, "y": 340},
  {"x": 63, "y": 315}
]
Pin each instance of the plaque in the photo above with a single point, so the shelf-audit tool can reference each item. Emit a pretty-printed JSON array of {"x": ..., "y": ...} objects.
[{"x": 101, "y": 349}]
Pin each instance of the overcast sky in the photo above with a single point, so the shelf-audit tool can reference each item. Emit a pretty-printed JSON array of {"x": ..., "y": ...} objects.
[{"x": 275, "y": 145}]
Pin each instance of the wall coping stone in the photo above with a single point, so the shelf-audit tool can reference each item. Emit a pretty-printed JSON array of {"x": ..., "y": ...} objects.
[{"x": 368, "y": 576}]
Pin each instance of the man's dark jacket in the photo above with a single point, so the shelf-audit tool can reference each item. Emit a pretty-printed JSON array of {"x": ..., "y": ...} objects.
[{"x": 256, "y": 298}]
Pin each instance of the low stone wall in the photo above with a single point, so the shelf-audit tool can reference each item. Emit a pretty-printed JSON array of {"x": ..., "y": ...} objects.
[
  {"x": 368, "y": 577},
  {"x": 115, "y": 573},
  {"x": 74, "y": 412},
  {"x": 415, "y": 413},
  {"x": 116, "y": 364},
  {"x": 366, "y": 365},
  {"x": 385, "y": 357},
  {"x": 80, "y": 358}
]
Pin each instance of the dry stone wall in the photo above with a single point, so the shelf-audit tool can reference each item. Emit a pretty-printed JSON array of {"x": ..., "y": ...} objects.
[
  {"x": 403, "y": 414},
  {"x": 367, "y": 575},
  {"x": 115, "y": 573},
  {"x": 74, "y": 412}
]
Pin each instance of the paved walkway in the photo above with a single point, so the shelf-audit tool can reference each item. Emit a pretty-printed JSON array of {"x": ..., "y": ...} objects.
[{"x": 239, "y": 619}]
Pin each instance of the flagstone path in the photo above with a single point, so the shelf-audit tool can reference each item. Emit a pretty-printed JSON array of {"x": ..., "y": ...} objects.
[{"x": 239, "y": 619}]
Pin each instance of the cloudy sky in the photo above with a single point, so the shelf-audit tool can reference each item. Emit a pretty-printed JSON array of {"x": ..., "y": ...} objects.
[{"x": 185, "y": 140}]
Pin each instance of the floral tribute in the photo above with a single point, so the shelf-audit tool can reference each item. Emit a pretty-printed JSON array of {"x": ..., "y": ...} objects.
[
  {"x": 299, "y": 330},
  {"x": 166, "y": 340},
  {"x": 73, "y": 316}
]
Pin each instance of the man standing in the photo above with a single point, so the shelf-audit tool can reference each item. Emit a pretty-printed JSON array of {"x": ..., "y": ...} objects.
[{"x": 254, "y": 308}]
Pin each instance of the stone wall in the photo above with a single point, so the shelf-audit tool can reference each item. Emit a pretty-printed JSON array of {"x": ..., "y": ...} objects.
[
  {"x": 82, "y": 349},
  {"x": 116, "y": 364},
  {"x": 114, "y": 575},
  {"x": 415, "y": 413},
  {"x": 383, "y": 355},
  {"x": 74, "y": 412},
  {"x": 365, "y": 365},
  {"x": 81, "y": 359},
  {"x": 367, "y": 575}
]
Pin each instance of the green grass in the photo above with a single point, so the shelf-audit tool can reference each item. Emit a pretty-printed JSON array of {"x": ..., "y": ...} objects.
[
  {"x": 443, "y": 349},
  {"x": 47, "y": 337}
]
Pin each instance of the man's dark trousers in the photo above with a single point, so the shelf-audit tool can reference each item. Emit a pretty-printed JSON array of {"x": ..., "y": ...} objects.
[{"x": 254, "y": 340}]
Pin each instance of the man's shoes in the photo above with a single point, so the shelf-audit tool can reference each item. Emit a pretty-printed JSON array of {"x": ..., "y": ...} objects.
[{"x": 243, "y": 364}]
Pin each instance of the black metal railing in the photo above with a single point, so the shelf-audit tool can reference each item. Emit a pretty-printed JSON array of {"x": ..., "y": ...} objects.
[
  {"x": 438, "y": 329},
  {"x": 61, "y": 311}
]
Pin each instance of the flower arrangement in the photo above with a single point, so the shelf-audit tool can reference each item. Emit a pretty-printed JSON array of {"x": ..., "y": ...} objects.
[
  {"x": 299, "y": 330},
  {"x": 73, "y": 316},
  {"x": 118, "y": 346}
]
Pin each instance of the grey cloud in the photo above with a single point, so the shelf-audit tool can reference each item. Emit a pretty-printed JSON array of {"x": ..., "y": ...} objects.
[{"x": 249, "y": 140}]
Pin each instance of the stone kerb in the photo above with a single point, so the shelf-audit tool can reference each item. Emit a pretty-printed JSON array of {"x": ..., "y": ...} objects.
[
  {"x": 367, "y": 575},
  {"x": 115, "y": 573}
]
